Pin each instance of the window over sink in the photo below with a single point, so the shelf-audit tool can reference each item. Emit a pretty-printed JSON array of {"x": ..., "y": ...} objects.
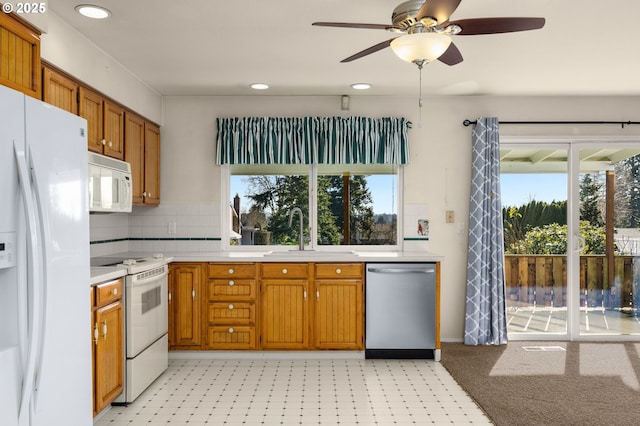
[
  {"x": 353, "y": 205},
  {"x": 343, "y": 173}
]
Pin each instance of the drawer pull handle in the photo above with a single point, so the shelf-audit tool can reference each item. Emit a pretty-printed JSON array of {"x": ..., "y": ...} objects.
[
  {"x": 338, "y": 271},
  {"x": 231, "y": 271},
  {"x": 284, "y": 270},
  {"x": 230, "y": 330},
  {"x": 230, "y": 307},
  {"x": 114, "y": 292},
  {"x": 231, "y": 283}
]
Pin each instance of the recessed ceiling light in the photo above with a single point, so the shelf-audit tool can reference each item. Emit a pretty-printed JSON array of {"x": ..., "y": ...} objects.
[
  {"x": 361, "y": 86},
  {"x": 92, "y": 11},
  {"x": 259, "y": 86}
]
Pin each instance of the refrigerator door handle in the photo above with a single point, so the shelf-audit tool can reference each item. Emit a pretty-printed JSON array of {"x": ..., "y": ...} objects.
[
  {"x": 34, "y": 307},
  {"x": 45, "y": 235}
]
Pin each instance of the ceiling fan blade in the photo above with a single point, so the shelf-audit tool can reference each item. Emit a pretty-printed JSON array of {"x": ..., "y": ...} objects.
[
  {"x": 369, "y": 50},
  {"x": 441, "y": 10},
  {"x": 353, "y": 25},
  {"x": 497, "y": 25},
  {"x": 451, "y": 56}
]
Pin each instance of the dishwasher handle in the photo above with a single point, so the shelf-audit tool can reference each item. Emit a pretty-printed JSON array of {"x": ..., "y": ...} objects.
[{"x": 401, "y": 271}]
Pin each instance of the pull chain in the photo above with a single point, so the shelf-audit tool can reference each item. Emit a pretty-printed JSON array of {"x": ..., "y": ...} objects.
[{"x": 420, "y": 63}]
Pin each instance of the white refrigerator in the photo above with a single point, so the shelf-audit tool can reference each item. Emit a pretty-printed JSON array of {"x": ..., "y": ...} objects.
[{"x": 45, "y": 314}]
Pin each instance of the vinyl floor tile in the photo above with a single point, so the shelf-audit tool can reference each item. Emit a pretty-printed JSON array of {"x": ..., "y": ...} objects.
[{"x": 300, "y": 392}]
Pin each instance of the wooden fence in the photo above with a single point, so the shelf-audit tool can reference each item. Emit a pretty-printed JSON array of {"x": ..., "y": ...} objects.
[{"x": 542, "y": 280}]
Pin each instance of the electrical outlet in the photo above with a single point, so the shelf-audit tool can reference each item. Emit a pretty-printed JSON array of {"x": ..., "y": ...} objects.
[
  {"x": 171, "y": 228},
  {"x": 450, "y": 216}
]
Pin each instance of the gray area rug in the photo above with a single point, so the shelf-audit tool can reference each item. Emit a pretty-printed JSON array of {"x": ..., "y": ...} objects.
[{"x": 550, "y": 383}]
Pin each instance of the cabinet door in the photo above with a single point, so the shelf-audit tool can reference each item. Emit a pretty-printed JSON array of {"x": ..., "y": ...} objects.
[
  {"x": 109, "y": 372},
  {"x": 113, "y": 130},
  {"x": 134, "y": 154},
  {"x": 59, "y": 90},
  {"x": 285, "y": 319},
  {"x": 90, "y": 108},
  {"x": 19, "y": 56},
  {"x": 186, "y": 301},
  {"x": 151, "y": 164},
  {"x": 338, "y": 314}
]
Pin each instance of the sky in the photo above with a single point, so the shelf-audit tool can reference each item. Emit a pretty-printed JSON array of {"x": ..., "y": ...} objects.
[{"x": 518, "y": 189}]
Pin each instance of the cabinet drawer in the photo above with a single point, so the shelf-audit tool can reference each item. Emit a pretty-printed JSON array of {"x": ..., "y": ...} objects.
[
  {"x": 285, "y": 270},
  {"x": 232, "y": 337},
  {"x": 232, "y": 313},
  {"x": 108, "y": 291},
  {"x": 244, "y": 290},
  {"x": 339, "y": 270},
  {"x": 232, "y": 270}
]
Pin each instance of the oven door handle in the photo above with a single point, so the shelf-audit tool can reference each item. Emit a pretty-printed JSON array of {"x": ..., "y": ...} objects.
[{"x": 149, "y": 279}]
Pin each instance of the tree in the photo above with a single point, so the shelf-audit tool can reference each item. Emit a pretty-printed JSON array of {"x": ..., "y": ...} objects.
[
  {"x": 277, "y": 195},
  {"x": 627, "y": 193},
  {"x": 590, "y": 199},
  {"x": 552, "y": 239}
]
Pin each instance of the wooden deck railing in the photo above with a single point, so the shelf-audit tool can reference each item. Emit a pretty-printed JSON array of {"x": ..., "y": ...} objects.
[{"x": 542, "y": 279}]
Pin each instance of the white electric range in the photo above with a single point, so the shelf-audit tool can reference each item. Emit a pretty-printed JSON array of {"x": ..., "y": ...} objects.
[{"x": 146, "y": 354}]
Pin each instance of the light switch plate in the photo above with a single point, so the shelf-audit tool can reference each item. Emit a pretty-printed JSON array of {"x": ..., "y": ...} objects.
[{"x": 450, "y": 217}]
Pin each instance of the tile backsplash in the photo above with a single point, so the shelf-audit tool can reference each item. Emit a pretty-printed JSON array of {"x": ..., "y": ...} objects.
[
  {"x": 188, "y": 228},
  {"x": 174, "y": 228}
]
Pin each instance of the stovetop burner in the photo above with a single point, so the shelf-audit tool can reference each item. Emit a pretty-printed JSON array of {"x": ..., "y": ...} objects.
[{"x": 133, "y": 264}]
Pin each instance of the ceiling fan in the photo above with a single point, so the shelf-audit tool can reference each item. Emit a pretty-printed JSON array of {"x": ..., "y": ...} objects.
[{"x": 426, "y": 28}]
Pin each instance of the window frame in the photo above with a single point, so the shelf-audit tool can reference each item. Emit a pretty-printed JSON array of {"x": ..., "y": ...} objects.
[{"x": 225, "y": 182}]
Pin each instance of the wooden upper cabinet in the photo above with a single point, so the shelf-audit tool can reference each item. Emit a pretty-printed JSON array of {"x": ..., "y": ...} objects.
[
  {"x": 105, "y": 123},
  {"x": 113, "y": 130},
  {"x": 90, "y": 108},
  {"x": 60, "y": 91},
  {"x": 142, "y": 151},
  {"x": 151, "y": 164},
  {"x": 19, "y": 56},
  {"x": 134, "y": 153}
]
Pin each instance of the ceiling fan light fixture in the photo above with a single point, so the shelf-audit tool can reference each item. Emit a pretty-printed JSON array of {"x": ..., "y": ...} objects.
[
  {"x": 420, "y": 46},
  {"x": 93, "y": 11}
]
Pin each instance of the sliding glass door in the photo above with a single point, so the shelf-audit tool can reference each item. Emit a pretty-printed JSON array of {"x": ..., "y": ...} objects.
[
  {"x": 572, "y": 239},
  {"x": 534, "y": 182},
  {"x": 609, "y": 239}
]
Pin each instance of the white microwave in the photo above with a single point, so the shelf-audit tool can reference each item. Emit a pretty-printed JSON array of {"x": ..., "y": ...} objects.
[{"x": 110, "y": 189}]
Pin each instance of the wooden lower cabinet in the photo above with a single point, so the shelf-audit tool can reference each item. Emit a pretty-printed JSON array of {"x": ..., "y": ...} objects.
[
  {"x": 231, "y": 307},
  {"x": 185, "y": 306},
  {"x": 108, "y": 343},
  {"x": 338, "y": 306},
  {"x": 285, "y": 314},
  {"x": 279, "y": 306}
]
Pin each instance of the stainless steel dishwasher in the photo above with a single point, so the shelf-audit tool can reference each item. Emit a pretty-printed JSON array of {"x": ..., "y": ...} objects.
[{"x": 400, "y": 310}]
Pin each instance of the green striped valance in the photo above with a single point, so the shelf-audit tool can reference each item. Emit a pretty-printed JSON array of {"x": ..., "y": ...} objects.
[{"x": 312, "y": 140}]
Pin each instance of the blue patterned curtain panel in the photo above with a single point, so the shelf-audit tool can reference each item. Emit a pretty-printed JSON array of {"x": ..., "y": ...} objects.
[
  {"x": 312, "y": 140},
  {"x": 485, "y": 318}
]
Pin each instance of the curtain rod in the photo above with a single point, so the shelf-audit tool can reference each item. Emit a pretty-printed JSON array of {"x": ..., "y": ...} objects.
[{"x": 621, "y": 123}]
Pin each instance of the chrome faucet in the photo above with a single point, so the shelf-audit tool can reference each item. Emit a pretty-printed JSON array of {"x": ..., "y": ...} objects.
[{"x": 301, "y": 235}]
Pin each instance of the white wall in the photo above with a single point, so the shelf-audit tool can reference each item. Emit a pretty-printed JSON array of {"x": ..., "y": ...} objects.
[
  {"x": 437, "y": 176},
  {"x": 72, "y": 52}
]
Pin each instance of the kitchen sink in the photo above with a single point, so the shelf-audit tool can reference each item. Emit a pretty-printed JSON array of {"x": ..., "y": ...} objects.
[{"x": 292, "y": 254}]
